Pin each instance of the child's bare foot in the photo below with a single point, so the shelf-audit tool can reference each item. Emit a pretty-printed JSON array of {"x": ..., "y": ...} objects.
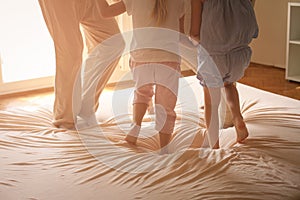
[
  {"x": 241, "y": 131},
  {"x": 131, "y": 139},
  {"x": 164, "y": 139},
  {"x": 209, "y": 142},
  {"x": 132, "y": 135},
  {"x": 216, "y": 146},
  {"x": 205, "y": 143},
  {"x": 164, "y": 150}
]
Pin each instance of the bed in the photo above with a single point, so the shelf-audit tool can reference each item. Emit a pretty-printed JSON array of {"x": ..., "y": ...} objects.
[{"x": 39, "y": 161}]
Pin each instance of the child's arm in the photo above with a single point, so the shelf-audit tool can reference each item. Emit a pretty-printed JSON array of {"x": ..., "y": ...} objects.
[
  {"x": 184, "y": 39},
  {"x": 181, "y": 24},
  {"x": 112, "y": 10},
  {"x": 196, "y": 17}
]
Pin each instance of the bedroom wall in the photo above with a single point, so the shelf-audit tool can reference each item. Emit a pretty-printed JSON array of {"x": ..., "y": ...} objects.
[{"x": 270, "y": 47}]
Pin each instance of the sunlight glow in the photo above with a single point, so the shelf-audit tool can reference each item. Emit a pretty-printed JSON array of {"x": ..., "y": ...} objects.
[{"x": 26, "y": 46}]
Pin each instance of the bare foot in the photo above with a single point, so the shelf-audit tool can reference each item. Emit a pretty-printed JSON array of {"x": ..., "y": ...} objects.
[
  {"x": 206, "y": 143},
  {"x": 132, "y": 135},
  {"x": 164, "y": 150},
  {"x": 131, "y": 139},
  {"x": 216, "y": 146},
  {"x": 241, "y": 131}
]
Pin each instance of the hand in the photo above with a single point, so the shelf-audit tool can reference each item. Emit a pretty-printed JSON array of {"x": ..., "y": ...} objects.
[
  {"x": 188, "y": 42},
  {"x": 194, "y": 40}
]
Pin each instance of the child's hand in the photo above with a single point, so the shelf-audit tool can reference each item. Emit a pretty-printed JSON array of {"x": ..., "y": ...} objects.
[
  {"x": 194, "y": 40},
  {"x": 188, "y": 42}
]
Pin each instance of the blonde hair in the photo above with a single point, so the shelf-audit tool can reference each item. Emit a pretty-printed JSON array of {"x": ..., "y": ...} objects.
[{"x": 160, "y": 11}]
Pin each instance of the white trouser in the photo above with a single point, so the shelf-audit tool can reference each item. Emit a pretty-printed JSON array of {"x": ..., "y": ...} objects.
[{"x": 63, "y": 19}]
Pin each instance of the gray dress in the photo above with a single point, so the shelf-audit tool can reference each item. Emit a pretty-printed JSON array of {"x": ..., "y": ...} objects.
[{"x": 227, "y": 28}]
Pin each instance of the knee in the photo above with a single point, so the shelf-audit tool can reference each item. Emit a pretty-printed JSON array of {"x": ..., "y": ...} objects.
[
  {"x": 143, "y": 94},
  {"x": 165, "y": 114}
]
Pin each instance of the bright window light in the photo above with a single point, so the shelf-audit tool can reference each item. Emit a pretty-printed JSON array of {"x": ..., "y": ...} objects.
[{"x": 26, "y": 48}]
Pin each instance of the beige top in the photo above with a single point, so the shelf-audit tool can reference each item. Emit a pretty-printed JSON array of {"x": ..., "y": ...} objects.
[{"x": 155, "y": 43}]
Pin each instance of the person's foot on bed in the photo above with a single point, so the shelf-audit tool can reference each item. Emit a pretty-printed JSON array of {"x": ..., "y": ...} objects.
[
  {"x": 216, "y": 146},
  {"x": 164, "y": 150},
  {"x": 131, "y": 139},
  {"x": 205, "y": 143},
  {"x": 241, "y": 131},
  {"x": 67, "y": 126},
  {"x": 132, "y": 135}
]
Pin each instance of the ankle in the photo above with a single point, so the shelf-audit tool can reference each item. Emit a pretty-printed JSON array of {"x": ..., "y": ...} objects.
[
  {"x": 134, "y": 130},
  {"x": 238, "y": 120}
]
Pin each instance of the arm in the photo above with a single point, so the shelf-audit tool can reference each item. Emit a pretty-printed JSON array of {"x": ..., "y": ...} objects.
[
  {"x": 181, "y": 24},
  {"x": 184, "y": 39},
  {"x": 196, "y": 18},
  {"x": 112, "y": 10}
]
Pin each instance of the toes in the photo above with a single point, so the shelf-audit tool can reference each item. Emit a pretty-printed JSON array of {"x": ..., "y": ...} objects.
[
  {"x": 130, "y": 140},
  {"x": 242, "y": 136}
]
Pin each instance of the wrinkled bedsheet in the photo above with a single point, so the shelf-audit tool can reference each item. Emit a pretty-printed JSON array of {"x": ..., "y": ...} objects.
[{"x": 40, "y": 161}]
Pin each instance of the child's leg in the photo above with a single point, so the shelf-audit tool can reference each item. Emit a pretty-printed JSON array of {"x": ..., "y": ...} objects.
[
  {"x": 164, "y": 139},
  {"x": 233, "y": 102},
  {"x": 167, "y": 79},
  {"x": 212, "y": 98},
  {"x": 139, "y": 111},
  {"x": 142, "y": 96},
  {"x": 165, "y": 114}
]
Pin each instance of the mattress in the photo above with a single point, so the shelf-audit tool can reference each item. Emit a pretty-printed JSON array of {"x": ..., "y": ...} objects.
[{"x": 40, "y": 161}]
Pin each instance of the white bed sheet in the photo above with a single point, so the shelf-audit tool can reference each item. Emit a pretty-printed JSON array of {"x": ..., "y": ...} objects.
[{"x": 39, "y": 161}]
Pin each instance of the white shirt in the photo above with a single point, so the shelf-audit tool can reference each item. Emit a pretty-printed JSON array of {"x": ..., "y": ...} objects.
[{"x": 147, "y": 34}]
